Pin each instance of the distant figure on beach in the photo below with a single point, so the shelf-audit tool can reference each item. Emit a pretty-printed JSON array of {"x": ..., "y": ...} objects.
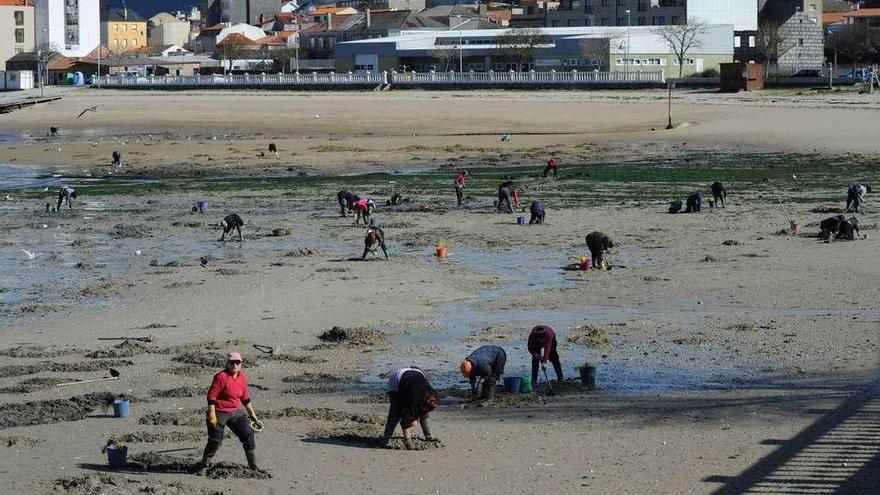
[
  {"x": 117, "y": 158},
  {"x": 362, "y": 211},
  {"x": 507, "y": 194},
  {"x": 537, "y": 211},
  {"x": 718, "y": 193},
  {"x": 542, "y": 347},
  {"x": 598, "y": 243},
  {"x": 53, "y": 131},
  {"x": 226, "y": 396},
  {"x": 229, "y": 223},
  {"x": 849, "y": 230},
  {"x": 694, "y": 203},
  {"x": 830, "y": 226},
  {"x": 273, "y": 149},
  {"x": 487, "y": 364},
  {"x": 374, "y": 239},
  {"x": 66, "y": 195},
  {"x": 460, "y": 181},
  {"x": 346, "y": 202},
  {"x": 855, "y": 196},
  {"x": 412, "y": 398},
  {"x": 552, "y": 167}
]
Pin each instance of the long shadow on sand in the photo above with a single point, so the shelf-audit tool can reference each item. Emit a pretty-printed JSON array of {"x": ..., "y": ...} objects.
[{"x": 837, "y": 454}]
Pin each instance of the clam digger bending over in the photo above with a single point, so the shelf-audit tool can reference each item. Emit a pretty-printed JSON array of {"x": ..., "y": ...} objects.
[
  {"x": 542, "y": 347},
  {"x": 507, "y": 192},
  {"x": 412, "y": 398},
  {"x": 374, "y": 236},
  {"x": 229, "y": 223},
  {"x": 346, "y": 200},
  {"x": 65, "y": 195},
  {"x": 227, "y": 395},
  {"x": 598, "y": 243},
  {"x": 486, "y": 363}
]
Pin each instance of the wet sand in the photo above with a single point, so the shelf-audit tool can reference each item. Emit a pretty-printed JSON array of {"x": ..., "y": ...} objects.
[{"x": 712, "y": 333}]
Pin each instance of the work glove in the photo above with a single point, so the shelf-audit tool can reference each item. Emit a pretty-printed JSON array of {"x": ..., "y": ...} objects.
[{"x": 212, "y": 419}]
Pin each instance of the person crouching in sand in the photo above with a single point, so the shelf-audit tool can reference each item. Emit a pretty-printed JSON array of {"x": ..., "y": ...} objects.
[
  {"x": 66, "y": 195},
  {"x": 598, "y": 243},
  {"x": 487, "y": 364},
  {"x": 374, "y": 236},
  {"x": 412, "y": 398},
  {"x": 229, "y": 223}
]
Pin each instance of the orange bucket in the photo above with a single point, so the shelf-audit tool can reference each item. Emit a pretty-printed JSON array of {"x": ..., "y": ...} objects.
[{"x": 441, "y": 252}]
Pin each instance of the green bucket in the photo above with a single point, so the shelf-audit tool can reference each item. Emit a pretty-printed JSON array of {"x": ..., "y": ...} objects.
[{"x": 525, "y": 386}]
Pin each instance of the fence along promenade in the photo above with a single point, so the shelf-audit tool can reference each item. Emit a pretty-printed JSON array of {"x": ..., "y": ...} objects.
[{"x": 395, "y": 79}]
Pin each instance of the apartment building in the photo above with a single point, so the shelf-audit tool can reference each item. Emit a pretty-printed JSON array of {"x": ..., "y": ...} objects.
[
  {"x": 234, "y": 11},
  {"x": 72, "y": 27},
  {"x": 742, "y": 14},
  {"x": 16, "y": 29},
  {"x": 123, "y": 29}
]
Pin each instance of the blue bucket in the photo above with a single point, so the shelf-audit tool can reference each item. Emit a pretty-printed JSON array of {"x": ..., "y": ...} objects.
[
  {"x": 120, "y": 408},
  {"x": 512, "y": 384},
  {"x": 117, "y": 458},
  {"x": 520, "y": 220}
]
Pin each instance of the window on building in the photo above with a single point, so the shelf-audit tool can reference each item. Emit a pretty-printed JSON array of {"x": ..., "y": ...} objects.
[
  {"x": 751, "y": 41},
  {"x": 19, "y": 17},
  {"x": 801, "y": 41},
  {"x": 18, "y": 50},
  {"x": 621, "y": 21},
  {"x": 133, "y": 42},
  {"x": 554, "y": 23},
  {"x": 572, "y": 22},
  {"x": 124, "y": 42},
  {"x": 640, "y": 21},
  {"x": 676, "y": 19},
  {"x": 133, "y": 27},
  {"x": 604, "y": 21},
  {"x": 659, "y": 20},
  {"x": 116, "y": 27},
  {"x": 19, "y": 35},
  {"x": 737, "y": 42},
  {"x": 604, "y": 3}
]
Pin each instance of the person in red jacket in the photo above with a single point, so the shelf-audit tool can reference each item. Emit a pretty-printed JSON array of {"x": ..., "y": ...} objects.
[
  {"x": 460, "y": 180},
  {"x": 542, "y": 347},
  {"x": 552, "y": 167},
  {"x": 227, "y": 395}
]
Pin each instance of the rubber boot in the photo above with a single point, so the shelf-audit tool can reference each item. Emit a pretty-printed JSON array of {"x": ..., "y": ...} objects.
[
  {"x": 210, "y": 450},
  {"x": 251, "y": 459},
  {"x": 488, "y": 392}
]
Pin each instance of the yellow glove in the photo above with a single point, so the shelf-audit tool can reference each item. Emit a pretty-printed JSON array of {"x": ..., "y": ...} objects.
[{"x": 212, "y": 419}]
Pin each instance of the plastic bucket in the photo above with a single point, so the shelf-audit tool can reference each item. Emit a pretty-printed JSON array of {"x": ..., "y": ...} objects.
[
  {"x": 512, "y": 384},
  {"x": 586, "y": 265},
  {"x": 441, "y": 252},
  {"x": 525, "y": 387},
  {"x": 120, "y": 408},
  {"x": 520, "y": 220},
  {"x": 117, "y": 458},
  {"x": 588, "y": 377}
]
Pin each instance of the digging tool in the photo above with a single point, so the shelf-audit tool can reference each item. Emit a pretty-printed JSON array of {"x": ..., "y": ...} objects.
[
  {"x": 114, "y": 375},
  {"x": 547, "y": 379},
  {"x": 265, "y": 349},
  {"x": 148, "y": 338}
]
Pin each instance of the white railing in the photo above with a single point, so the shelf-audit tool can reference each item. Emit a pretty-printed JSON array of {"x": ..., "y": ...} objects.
[
  {"x": 244, "y": 80},
  {"x": 531, "y": 78},
  {"x": 526, "y": 78}
]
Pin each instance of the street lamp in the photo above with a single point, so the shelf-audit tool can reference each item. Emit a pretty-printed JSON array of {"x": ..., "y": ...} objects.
[
  {"x": 626, "y": 57},
  {"x": 460, "y": 57}
]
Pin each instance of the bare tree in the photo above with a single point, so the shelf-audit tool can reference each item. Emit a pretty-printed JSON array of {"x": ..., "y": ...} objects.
[
  {"x": 281, "y": 57},
  {"x": 682, "y": 38},
  {"x": 519, "y": 45},
  {"x": 599, "y": 48},
  {"x": 445, "y": 54},
  {"x": 770, "y": 41},
  {"x": 231, "y": 49},
  {"x": 855, "y": 42}
]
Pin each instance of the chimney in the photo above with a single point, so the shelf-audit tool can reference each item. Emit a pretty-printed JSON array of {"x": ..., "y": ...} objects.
[
  {"x": 368, "y": 18},
  {"x": 329, "y": 21}
]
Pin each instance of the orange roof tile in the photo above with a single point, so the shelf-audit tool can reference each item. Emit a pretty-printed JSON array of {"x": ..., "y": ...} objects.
[
  {"x": 330, "y": 10},
  {"x": 16, "y": 3},
  {"x": 832, "y": 17},
  {"x": 863, "y": 13}
]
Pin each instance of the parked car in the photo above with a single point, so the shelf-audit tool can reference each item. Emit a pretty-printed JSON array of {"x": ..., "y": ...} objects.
[{"x": 859, "y": 74}]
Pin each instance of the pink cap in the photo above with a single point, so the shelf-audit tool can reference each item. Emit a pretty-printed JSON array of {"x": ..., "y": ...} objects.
[{"x": 233, "y": 356}]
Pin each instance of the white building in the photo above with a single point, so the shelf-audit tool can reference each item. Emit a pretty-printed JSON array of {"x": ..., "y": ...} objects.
[{"x": 72, "y": 27}]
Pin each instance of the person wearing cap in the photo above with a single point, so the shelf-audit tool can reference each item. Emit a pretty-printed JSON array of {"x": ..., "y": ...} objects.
[
  {"x": 227, "y": 395},
  {"x": 542, "y": 347},
  {"x": 374, "y": 236},
  {"x": 486, "y": 363},
  {"x": 229, "y": 223},
  {"x": 552, "y": 167},
  {"x": 538, "y": 213},
  {"x": 460, "y": 181},
  {"x": 412, "y": 398}
]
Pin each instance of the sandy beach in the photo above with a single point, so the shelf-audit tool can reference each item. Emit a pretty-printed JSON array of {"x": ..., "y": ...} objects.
[{"x": 733, "y": 355}]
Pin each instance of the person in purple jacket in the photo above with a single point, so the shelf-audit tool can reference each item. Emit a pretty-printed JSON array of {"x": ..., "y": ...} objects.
[{"x": 542, "y": 347}]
